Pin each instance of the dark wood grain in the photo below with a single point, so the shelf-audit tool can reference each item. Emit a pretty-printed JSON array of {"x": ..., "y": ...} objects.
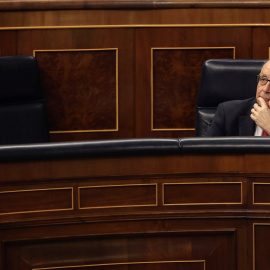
[
  {"x": 201, "y": 29},
  {"x": 117, "y": 195},
  {"x": 178, "y": 55},
  {"x": 202, "y": 193},
  {"x": 176, "y": 80},
  {"x": 35, "y": 200},
  {"x": 261, "y": 245},
  {"x": 119, "y": 219},
  {"x": 81, "y": 89}
]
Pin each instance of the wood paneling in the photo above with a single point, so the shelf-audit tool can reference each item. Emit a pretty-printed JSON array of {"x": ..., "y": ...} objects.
[
  {"x": 156, "y": 96},
  {"x": 261, "y": 193},
  {"x": 8, "y": 43},
  {"x": 135, "y": 212},
  {"x": 176, "y": 74},
  {"x": 206, "y": 193},
  {"x": 138, "y": 251},
  {"x": 36, "y": 200},
  {"x": 81, "y": 89},
  {"x": 176, "y": 79},
  {"x": 261, "y": 245},
  {"x": 88, "y": 80},
  {"x": 128, "y": 165},
  {"x": 153, "y": 100},
  {"x": 212, "y": 226},
  {"x": 260, "y": 43},
  {"x": 135, "y": 17},
  {"x": 117, "y": 196}
]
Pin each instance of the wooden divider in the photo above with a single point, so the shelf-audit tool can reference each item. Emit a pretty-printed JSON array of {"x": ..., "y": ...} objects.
[{"x": 137, "y": 212}]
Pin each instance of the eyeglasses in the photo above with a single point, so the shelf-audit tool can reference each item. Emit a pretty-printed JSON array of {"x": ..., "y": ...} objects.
[{"x": 262, "y": 80}]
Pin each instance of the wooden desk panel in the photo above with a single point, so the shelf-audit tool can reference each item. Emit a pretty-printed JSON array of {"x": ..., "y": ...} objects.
[{"x": 151, "y": 212}]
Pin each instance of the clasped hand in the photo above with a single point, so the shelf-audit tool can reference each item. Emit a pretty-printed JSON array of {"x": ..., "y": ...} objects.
[{"x": 261, "y": 114}]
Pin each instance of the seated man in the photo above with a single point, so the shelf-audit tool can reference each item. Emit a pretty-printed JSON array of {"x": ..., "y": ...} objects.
[{"x": 249, "y": 117}]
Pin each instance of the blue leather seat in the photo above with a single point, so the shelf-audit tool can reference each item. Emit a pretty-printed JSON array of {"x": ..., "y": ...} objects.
[
  {"x": 223, "y": 80},
  {"x": 23, "y": 116}
]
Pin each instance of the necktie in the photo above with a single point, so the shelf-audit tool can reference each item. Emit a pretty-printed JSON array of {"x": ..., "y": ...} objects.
[{"x": 264, "y": 133}]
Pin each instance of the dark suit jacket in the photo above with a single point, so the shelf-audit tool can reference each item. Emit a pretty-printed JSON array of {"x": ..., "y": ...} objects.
[{"x": 232, "y": 118}]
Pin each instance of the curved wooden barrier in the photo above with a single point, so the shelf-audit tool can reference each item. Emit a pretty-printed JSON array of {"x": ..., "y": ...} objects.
[{"x": 136, "y": 204}]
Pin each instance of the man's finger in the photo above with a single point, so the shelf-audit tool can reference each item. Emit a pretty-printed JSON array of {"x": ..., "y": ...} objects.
[{"x": 262, "y": 102}]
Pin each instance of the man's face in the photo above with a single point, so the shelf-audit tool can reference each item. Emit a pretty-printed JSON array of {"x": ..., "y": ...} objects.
[{"x": 264, "y": 90}]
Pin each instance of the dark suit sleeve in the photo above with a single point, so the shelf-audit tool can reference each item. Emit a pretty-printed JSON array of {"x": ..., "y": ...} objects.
[{"x": 217, "y": 127}]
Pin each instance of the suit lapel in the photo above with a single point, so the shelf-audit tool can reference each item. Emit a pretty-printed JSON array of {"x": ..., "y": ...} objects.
[{"x": 246, "y": 126}]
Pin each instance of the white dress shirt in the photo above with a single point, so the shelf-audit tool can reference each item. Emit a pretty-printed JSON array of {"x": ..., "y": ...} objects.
[{"x": 258, "y": 131}]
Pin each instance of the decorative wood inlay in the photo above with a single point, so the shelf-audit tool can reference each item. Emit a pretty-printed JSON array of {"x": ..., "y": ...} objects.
[
  {"x": 36, "y": 200},
  {"x": 118, "y": 196},
  {"x": 81, "y": 88},
  {"x": 202, "y": 193},
  {"x": 153, "y": 265},
  {"x": 114, "y": 244},
  {"x": 176, "y": 74},
  {"x": 261, "y": 193},
  {"x": 261, "y": 246}
]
